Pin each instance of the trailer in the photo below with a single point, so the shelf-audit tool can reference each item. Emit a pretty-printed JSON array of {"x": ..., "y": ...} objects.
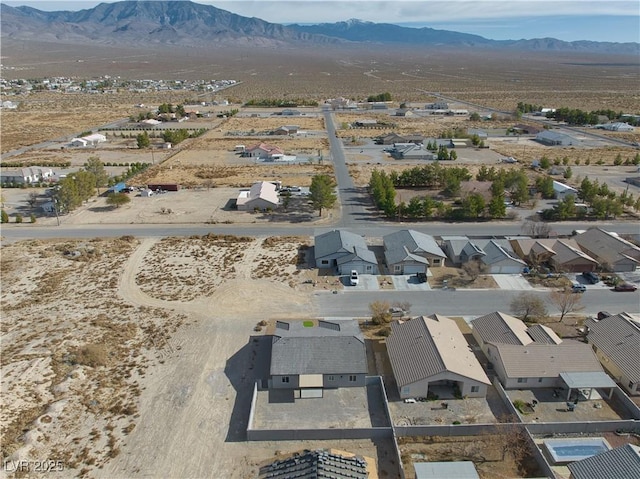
[{"x": 164, "y": 187}]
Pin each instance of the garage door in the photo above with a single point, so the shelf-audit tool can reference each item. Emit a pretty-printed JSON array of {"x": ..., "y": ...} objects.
[{"x": 413, "y": 269}]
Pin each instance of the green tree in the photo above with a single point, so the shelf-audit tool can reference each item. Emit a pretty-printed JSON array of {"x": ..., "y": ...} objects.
[
  {"x": 566, "y": 208},
  {"x": 544, "y": 184},
  {"x": 568, "y": 173},
  {"x": 143, "y": 140},
  {"x": 32, "y": 218},
  {"x": 545, "y": 163},
  {"x": 18, "y": 218},
  {"x": 321, "y": 192},
  {"x": 473, "y": 206},
  {"x": 96, "y": 168},
  {"x": 4, "y": 217},
  {"x": 118, "y": 199},
  {"x": 474, "y": 116}
]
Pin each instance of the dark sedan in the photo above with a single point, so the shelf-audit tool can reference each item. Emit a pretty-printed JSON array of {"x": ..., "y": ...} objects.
[{"x": 625, "y": 287}]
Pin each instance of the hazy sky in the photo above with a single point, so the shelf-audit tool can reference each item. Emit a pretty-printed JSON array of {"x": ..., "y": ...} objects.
[{"x": 602, "y": 20}]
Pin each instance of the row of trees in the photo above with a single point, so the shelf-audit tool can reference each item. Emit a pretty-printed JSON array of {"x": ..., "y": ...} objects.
[
  {"x": 574, "y": 116},
  {"x": 530, "y": 307},
  {"x": 281, "y": 103},
  {"x": 515, "y": 182},
  {"x": 380, "y": 97}
]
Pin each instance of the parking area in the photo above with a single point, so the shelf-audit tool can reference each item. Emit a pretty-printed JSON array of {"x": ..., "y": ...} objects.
[
  {"x": 578, "y": 278},
  {"x": 366, "y": 282},
  {"x": 408, "y": 282}
]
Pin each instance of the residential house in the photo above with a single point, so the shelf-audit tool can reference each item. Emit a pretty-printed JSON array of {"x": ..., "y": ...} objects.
[
  {"x": 393, "y": 138},
  {"x": 440, "y": 105},
  {"x": 262, "y": 195},
  {"x": 411, "y": 152},
  {"x": 533, "y": 251},
  {"x": 326, "y": 355},
  {"x": 570, "y": 258},
  {"x": 345, "y": 251},
  {"x": 430, "y": 351},
  {"x": 405, "y": 112},
  {"x": 535, "y": 357},
  {"x": 25, "y": 176},
  {"x": 622, "y": 462},
  {"x": 616, "y": 342},
  {"x": 286, "y": 130},
  {"x": 524, "y": 129},
  {"x": 610, "y": 250},
  {"x": 95, "y": 138},
  {"x": 617, "y": 126},
  {"x": 553, "y": 138},
  {"x": 561, "y": 191},
  {"x": 403, "y": 250},
  {"x": 262, "y": 151},
  {"x": 78, "y": 142},
  {"x": 460, "y": 249},
  {"x": 499, "y": 258}
]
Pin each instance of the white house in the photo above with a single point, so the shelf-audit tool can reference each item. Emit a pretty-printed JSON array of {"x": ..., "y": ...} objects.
[
  {"x": 561, "y": 191},
  {"x": 261, "y": 196},
  {"x": 95, "y": 138},
  {"x": 28, "y": 175},
  {"x": 78, "y": 142}
]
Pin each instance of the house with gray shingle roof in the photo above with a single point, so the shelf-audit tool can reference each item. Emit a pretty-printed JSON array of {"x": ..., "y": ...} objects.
[
  {"x": 326, "y": 354},
  {"x": 430, "y": 351},
  {"x": 345, "y": 251},
  {"x": 620, "y": 463},
  {"x": 403, "y": 250},
  {"x": 616, "y": 342},
  {"x": 610, "y": 250},
  {"x": 460, "y": 249},
  {"x": 500, "y": 259}
]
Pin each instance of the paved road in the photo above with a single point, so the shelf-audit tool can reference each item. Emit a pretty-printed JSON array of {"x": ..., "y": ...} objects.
[
  {"x": 352, "y": 200},
  {"x": 461, "y": 302}
]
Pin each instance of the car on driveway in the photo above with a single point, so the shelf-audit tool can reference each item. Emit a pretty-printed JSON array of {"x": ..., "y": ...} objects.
[
  {"x": 354, "y": 279},
  {"x": 625, "y": 287},
  {"x": 591, "y": 277}
]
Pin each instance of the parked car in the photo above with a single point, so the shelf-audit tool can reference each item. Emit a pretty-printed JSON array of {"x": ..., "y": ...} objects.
[
  {"x": 397, "y": 312},
  {"x": 410, "y": 401},
  {"x": 591, "y": 277},
  {"x": 422, "y": 277},
  {"x": 578, "y": 288},
  {"x": 625, "y": 287},
  {"x": 354, "y": 279}
]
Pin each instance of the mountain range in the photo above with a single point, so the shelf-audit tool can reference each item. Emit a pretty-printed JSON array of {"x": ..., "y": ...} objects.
[{"x": 185, "y": 23}]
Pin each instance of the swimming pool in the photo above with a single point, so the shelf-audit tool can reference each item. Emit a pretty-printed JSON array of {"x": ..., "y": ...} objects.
[{"x": 564, "y": 451}]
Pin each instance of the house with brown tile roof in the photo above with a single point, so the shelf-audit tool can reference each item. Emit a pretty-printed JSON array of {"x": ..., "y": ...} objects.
[
  {"x": 616, "y": 342},
  {"x": 430, "y": 351},
  {"x": 610, "y": 250}
]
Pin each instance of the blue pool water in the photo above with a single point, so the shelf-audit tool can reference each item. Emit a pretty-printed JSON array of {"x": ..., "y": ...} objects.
[{"x": 563, "y": 451}]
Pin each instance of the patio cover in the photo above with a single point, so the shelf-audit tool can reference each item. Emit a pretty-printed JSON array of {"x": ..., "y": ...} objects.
[{"x": 588, "y": 380}]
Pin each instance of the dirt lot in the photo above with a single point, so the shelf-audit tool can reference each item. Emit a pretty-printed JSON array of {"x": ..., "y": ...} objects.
[{"x": 122, "y": 332}]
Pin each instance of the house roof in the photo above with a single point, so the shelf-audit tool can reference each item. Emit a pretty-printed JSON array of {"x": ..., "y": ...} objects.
[
  {"x": 415, "y": 242},
  {"x": 496, "y": 253},
  {"x": 317, "y": 464},
  {"x": 546, "y": 360},
  {"x": 401, "y": 255},
  {"x": 318, "y": 349},
  {"x": 618, "y": 338},
  {"x": 608, "y": 246},
  {"x": 499, "y": 327},
  {"x": 543, "y": 334},
  {"x": 429, "y": 345},
  {"x": 261, "y": 190},
  {"x": 365, "y": 254},
  {"x": 566, "y": 253},
  {"x": 336, "y": 241},
  {"x": 459, "y": 244},
  {"x": 269, "y": 149},
  {"x": 562, "y": 188},
  {"x": 622, "y": 463}
]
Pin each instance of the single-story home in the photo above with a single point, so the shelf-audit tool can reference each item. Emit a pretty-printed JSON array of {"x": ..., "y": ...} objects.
[
  {"x": 343, "y": 250},
  {"x": 286, "y": 130},
  {"x": 616, "y": 342},
  {"x": 79, "y": 142},
  {"x": 622, "y": 462},
  {"x": 262, "y": 195},
  {"x": 311, "y": 357},
  {"x": 411, "y": 152},
  {"x": 610, "y": 250},
  {"x": 28, "y": 175},
  {"x": 500, "y": 259},
  {"x": 320, "y": 463},
  {"x": 553, "y": 138},
  {"x": 617, "y": 126},
  {"x": 535, "y": 357},
  {"x": 262, "y": 151},
  {"x": 393, "y": 138},
  {"x": 561, "y": 191},
  {"x": 460, "y": 249},
  {"x": 430, "y": 351},
  {"x": 570, "y": 258},
  {"x": 403, "y": 248},
  {"x": 95, "y": 138}
]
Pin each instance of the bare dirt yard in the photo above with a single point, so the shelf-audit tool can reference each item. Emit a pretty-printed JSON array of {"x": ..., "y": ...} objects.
[{"x": 123, "y": 357}]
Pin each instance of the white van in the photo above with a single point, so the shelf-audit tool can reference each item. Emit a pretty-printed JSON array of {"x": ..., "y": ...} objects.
[{"x": 578, "y": 288}]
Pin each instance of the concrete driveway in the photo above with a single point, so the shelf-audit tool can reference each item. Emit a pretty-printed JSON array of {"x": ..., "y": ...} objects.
[
  {"x": 512, "y": 281},
  {"x": 578, "y": 278},
  {"x": 408, "y": 282},
  {"x": 368, "y": 282}
]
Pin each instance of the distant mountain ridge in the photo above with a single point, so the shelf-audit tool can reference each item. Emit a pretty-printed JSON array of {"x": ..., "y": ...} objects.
[{"x": 185, "y": 23}]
